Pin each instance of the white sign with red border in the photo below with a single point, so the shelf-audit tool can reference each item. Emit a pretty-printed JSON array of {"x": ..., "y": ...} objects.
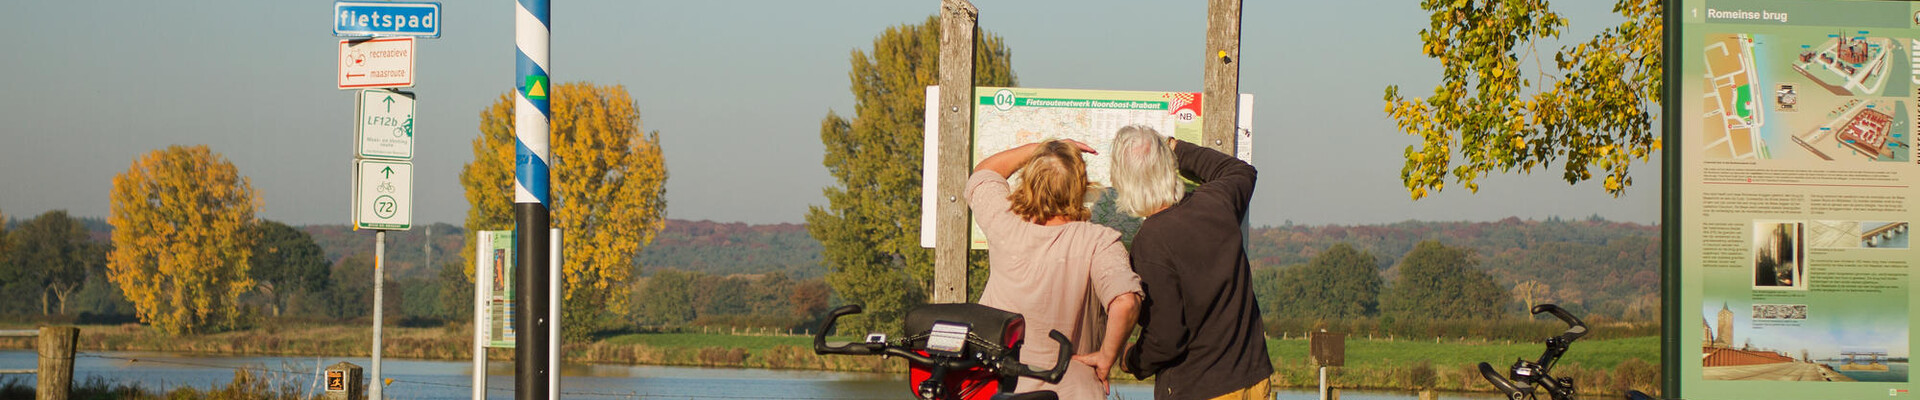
[{"x": 376, "y": 63}]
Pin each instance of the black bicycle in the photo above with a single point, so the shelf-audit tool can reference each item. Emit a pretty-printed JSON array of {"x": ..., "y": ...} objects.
[
  {"x": 1525, "y": 376},
  {"x": 956, "y": 352}
]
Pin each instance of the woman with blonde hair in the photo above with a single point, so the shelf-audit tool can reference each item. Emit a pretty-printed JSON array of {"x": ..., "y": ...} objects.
[{"x": 1049, "y": 264}]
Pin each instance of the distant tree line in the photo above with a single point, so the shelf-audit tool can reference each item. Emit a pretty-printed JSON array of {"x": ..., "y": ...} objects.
[
  {"x": 673, "y": 298},
  {"x": 1591, "y": 266},
  {"x": 734, "y": 248},
  {"x": 53, "y": 268},
  {"x": 1435, "y": 282}
]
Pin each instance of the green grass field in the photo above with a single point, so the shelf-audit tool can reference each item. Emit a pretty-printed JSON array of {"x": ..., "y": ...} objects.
[
  {"x": 1597, "y": 366},
  {"x": 699, "y": 340},
  {"x": 1604, "y": 354}
]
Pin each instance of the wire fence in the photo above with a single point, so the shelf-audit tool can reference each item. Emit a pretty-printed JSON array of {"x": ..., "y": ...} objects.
[{"x": 464, "y": 387}]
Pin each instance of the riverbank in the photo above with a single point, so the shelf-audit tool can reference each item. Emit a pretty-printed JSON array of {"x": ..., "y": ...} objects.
[
  {"x": 246, "y": 385},
  {"x": 1598, "y": 366}
]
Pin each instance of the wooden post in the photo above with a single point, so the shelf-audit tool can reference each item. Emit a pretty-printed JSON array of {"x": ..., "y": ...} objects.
[
  {"x": 1220, "y": 100},
  {"x": 959, "y": 22},
  {"x": 55, "y": 372}
]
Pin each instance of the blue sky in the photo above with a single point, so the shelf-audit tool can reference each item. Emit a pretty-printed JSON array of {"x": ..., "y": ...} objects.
[{"x": 737, "y": 90}]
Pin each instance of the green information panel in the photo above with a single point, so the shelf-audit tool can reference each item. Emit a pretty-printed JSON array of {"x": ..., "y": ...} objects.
[{"x": 1796, "y": 188}]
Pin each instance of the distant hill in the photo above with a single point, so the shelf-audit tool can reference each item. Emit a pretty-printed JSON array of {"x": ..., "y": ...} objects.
[
  {"x": 407, "y": 254},
  {"x": 735, "y": 248},
  {"x": 704, "y": 246}
]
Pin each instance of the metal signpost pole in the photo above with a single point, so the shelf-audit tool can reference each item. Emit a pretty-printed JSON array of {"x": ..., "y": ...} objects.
[
  {"x": 380, "y": 55},
  {"x": 1323, "y": 382},
  {"x": 379, "y": 256},
  {"x": 482, "y": 281},
  {"x": 531, "y": 198}
]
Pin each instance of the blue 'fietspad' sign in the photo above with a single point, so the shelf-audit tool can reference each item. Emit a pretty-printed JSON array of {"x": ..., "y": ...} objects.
[{"x": 371, "y": 18}]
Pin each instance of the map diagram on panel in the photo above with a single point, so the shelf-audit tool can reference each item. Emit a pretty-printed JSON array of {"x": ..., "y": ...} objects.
[{"x": 1829, "y": 98}]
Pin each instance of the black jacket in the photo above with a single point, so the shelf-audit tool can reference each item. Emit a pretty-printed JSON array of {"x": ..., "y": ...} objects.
[{"x": 1201, "y": 332}]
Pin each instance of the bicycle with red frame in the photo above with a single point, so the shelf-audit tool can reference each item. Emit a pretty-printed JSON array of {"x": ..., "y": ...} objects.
[{"x": 956, "y": 352}]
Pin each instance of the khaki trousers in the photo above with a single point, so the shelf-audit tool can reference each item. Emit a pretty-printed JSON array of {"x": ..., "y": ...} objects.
[{"x": 1259, "y": 391}]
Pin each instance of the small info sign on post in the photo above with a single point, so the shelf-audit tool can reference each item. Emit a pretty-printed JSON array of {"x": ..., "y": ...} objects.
[
  {"x": 384, "y": 125},
  {"x": 376, "y": 63},
  {"x": 383, "y": 195}
]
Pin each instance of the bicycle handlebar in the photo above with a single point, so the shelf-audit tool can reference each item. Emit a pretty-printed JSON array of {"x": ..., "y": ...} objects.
[
  {"x": 820, "y": 338},
  {"x": 1575, "y": 328},
  {"x": 1010, "y": 366},
  {"x": 1059, "y": 365}
]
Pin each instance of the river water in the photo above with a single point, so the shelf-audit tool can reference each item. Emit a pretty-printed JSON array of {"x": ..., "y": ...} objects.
[{"x": 429, "y": 380}]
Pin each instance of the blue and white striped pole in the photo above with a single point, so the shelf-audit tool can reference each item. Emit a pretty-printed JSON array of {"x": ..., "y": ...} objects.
[{"x": 531, "y": 200}]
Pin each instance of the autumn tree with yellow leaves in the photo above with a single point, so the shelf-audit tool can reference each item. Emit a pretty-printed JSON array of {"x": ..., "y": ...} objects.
[
  {"x": 181, "y": 238},
  {"x": 1499, "y": 107},
  {"x": 608, "y": 193}
]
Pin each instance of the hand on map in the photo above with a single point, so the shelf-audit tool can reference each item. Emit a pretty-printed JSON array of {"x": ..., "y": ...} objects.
[{"x": 1084, "y": 148}]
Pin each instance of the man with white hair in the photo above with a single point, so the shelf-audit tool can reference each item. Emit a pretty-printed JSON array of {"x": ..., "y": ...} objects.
[{"x": 1200, "y": 332}]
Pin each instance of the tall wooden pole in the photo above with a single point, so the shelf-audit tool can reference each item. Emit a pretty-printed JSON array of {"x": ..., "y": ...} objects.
[
  {"x": 959, "y": 22},
  {"x": 1220, "y": 100}
]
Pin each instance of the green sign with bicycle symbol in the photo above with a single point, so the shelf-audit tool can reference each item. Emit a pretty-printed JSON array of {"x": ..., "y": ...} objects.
[
  {"x": 383, "y": 195},
  {"x": 384, "y": 125}
]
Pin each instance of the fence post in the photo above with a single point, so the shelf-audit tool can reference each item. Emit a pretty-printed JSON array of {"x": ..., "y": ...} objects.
[{"x": 55, "y": 373}]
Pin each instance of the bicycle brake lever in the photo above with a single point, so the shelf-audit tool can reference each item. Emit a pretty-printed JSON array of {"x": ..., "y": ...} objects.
[
  {"x": 1060, "y": 363},
  {"x": 1059, "y": 366}
]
